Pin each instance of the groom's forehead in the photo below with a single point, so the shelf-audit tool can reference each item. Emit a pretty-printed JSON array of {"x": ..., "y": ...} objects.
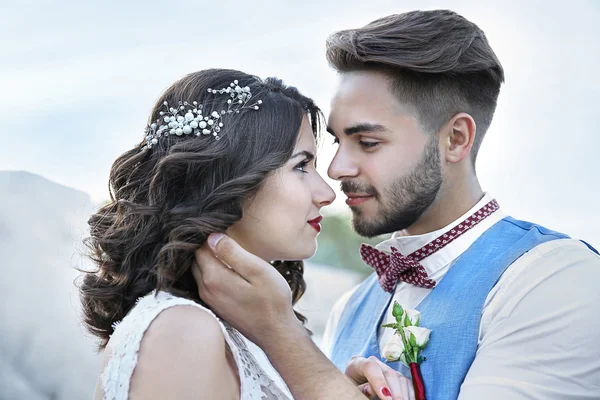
[
  {"x": 362, "y": 98},
  {"x": 362, "y": 85}
]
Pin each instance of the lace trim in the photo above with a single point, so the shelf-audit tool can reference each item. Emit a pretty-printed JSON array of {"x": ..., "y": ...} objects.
[{"x": 268, "y": 389}]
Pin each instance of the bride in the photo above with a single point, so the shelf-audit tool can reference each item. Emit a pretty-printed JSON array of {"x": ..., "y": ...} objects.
[{"x": 223, "y": 151}]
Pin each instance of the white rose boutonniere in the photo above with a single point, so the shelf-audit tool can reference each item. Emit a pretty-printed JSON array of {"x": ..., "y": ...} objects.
[
  {"x": 406, "y": 344},
  {"x": 393, "y": 349}
]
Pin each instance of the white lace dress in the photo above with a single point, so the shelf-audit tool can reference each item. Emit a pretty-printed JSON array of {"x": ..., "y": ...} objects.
[{"x": 258, "y": 379}]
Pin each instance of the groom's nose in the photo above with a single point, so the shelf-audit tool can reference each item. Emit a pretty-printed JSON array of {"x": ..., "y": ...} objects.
[{"x": 342, "y": 166}]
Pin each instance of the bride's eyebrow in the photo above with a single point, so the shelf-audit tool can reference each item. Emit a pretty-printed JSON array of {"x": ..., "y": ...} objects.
[{"x": 308, "y": 155}]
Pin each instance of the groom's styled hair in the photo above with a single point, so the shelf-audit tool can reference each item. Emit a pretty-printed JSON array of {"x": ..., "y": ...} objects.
[{"x": 439, "y": 62}]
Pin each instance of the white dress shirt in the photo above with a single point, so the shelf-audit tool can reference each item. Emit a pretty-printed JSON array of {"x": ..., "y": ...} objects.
[{"x": 540, "y": 325}]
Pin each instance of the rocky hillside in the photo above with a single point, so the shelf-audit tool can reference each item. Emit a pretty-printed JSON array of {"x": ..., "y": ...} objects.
[{"x": 44, "y": 353}]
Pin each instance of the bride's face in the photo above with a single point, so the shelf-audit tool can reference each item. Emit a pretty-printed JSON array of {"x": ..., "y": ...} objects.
[{"x": 281, "y": 221}]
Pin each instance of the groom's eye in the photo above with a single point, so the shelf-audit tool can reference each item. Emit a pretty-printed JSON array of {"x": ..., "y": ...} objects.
[{"x": 368, "y": 145}]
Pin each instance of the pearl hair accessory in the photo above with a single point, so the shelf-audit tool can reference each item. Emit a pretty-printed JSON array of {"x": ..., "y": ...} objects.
[{"x": 193, "y": 119}]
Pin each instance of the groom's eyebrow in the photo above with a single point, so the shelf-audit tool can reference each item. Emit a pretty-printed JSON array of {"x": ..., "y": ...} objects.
[{"x": 364, "y": 127}]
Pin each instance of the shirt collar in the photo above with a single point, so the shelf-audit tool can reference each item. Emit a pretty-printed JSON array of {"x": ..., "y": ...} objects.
[{"x": 407, "y": 244}]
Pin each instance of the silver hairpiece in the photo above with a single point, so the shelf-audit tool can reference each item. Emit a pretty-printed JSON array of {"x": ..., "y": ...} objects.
[{"x": 193, "y": 119}]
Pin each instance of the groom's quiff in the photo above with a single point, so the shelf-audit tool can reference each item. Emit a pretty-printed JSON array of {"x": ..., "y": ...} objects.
[{"x": 438, "y": 62}]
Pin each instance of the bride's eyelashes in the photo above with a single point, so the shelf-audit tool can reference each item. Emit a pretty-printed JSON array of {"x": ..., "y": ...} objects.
[
  {"x": 307, "y": 158},
  {"x": 302, "y": 165}
]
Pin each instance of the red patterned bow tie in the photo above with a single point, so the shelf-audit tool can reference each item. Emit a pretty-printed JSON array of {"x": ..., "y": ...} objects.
[{"x": 395, "y": 267}]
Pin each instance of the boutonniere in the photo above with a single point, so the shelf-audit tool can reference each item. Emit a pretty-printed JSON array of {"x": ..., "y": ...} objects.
[{"x": 407, "y": 343}]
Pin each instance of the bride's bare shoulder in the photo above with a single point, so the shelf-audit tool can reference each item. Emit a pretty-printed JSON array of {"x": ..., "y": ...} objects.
[
  {"x": 183, "y": 324},
  {"x": 182, "y": 354}
]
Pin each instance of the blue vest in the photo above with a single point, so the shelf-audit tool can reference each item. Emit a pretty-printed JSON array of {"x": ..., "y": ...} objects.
[{"x": 452, "y": 310}]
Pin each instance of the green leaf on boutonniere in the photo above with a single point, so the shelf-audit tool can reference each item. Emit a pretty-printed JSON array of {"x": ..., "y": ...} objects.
[
  {"x": 393, "y": 326},
  {"x": 420, "y": 360},
  {"x": 405, "y": 341},
  {"x": 413, "y": 341},
  {"x": 403, "y": 359}
]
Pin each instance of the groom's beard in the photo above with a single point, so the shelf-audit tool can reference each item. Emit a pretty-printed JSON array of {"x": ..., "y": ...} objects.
[{"x": 404, "y": 201}]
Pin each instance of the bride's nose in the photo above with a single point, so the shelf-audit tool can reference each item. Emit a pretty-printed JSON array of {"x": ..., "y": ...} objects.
[{"x": 323, "y": 194}]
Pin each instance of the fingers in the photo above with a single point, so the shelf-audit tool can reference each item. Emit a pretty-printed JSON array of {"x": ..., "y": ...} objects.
[
  {"x": 196, "y": 273},
  {"x": 246, "y": 264},
  {"x": 399, "y": 391},
  {"x": 361, "y": 370},
  {"x": 212, "y": 276},
  {"x": 399, "y": 385},
  {"x": 354, "y": 370},
  {"x": 367, "y": 390},
  {"x": 378, "y": 380},
  {"x": 202, "y": 291}
]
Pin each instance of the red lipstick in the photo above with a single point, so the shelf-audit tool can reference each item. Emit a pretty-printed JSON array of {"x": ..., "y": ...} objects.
[{"x": 315, "y": 223}]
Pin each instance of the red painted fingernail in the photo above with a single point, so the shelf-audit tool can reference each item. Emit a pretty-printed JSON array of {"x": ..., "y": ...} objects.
[{"x": 386, "y": 392}]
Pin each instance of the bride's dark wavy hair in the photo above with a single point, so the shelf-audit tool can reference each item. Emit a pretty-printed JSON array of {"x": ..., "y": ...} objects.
[{"x": 164, "y": 202}]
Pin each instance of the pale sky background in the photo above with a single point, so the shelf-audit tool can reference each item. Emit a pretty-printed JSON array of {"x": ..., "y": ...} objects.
[{"x": 78, "y": 81}]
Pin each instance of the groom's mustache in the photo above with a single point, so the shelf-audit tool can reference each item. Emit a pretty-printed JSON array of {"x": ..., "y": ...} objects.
[{"x": 358, "y": 188}]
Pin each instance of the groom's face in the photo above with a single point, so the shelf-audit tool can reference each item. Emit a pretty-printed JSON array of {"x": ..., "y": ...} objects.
[{"x": 388, "y": 166}]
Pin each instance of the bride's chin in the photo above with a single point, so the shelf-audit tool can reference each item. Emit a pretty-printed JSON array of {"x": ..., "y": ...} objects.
[
  {"x": 302, "y": 253},
  {"x": 309, "y": 251}
]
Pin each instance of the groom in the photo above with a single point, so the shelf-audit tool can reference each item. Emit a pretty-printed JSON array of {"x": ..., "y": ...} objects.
[{"x": 512, "y": 306}]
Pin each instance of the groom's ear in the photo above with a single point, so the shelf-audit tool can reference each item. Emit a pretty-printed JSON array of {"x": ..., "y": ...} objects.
[{"x": 458, "y": 138}]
